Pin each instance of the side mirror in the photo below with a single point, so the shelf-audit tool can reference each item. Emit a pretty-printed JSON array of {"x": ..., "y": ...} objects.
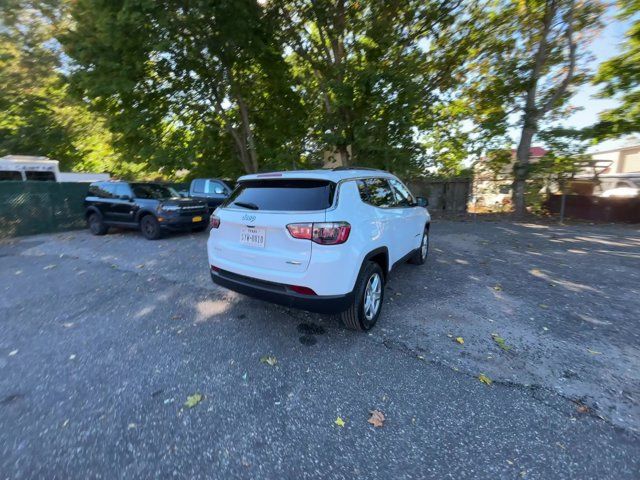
[{"x": 422, "y": 202}]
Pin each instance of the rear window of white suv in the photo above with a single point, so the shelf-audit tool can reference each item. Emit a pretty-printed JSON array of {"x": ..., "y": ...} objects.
[{"x": 293, "y": 195}]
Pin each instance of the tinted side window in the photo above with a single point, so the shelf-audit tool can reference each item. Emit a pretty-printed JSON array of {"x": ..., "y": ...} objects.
[
  {"x": 405, "y": 199},
  {"x": 41, "y": 176},
  {"x": 10, "y": 175},
  {"x": 122, "y": 191},
  {"x": 100, "y": 190},
  {"x": 376, "y": 192},
  {"x": 213, "y": 185},
  {"x": 198, "y": 186}
]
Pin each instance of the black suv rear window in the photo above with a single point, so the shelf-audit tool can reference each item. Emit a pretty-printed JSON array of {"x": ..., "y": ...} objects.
[{"x": 293, "y": 195}]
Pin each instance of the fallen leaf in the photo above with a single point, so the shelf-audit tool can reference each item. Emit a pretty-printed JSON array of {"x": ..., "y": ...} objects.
[
  {"x": 131, "y": 426},
  {"x": 377, "y": 418},
  {"x": 65, "y": 423},
  {"x": 582, "y": 409},
  {"x": 269, "y": 360},
  {"x": 497, "y": 288},
  {"x": 193, "y": 400},
  {"x": 13, "y": 352},
  {"x": 140, "y": 266},
  {"x": 484, "y": 379},
  {"x": 49, "y": 267},
  {"x": 244, "y": 376},
  {"x": 18, "y": 272},
  {"x": 398, "y": 293},
  {"x": 67, "y": 324},
  {"x": 72, "y": 356},
  {"x": 594, "y": 352},
  {"x": 542, "y": 305},
  {"x": 460, "y": 340},
  {"x": 500, "y": 341},
  {"x": 339, "y": 422}
]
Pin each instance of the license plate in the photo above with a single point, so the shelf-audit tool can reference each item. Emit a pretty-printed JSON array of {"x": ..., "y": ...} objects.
[
  {"x": 253, "y": 237},
  {"x": 196, "y": 219}
]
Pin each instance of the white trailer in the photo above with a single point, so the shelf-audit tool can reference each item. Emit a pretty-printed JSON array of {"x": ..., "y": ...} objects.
[
  {"x": 22, "y": 167},
  {"x": 28, "y": 168}
]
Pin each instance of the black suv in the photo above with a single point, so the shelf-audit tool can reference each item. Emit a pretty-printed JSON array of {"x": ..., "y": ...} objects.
[{"x": 151, "y": 207}]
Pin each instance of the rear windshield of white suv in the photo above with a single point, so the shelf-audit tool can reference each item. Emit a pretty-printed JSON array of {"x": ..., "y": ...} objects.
[{"x": 293, "y": 195}]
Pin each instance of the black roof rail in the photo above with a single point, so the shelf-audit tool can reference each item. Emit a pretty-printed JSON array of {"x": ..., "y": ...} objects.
[{"x": 337, "y": 169}]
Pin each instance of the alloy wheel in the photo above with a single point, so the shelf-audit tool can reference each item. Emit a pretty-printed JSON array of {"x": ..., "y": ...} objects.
[{"x": 372, "y": 295}]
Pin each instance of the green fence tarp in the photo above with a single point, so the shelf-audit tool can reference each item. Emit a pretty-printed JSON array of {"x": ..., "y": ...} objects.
[{"x": 29, "y": 208}]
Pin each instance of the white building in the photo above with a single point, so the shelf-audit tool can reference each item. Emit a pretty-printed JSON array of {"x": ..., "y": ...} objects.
[{"x": 624, "y": 159}]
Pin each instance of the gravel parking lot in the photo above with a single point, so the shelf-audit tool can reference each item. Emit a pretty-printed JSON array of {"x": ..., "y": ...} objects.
[{"x": 104, "y": 338}]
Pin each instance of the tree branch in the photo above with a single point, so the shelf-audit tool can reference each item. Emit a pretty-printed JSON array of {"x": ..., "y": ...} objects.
[{"x": 573, "y": 47}]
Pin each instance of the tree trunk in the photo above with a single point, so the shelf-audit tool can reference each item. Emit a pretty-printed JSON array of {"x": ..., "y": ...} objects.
[
  {"x": 521, "y": 169},
  {"x": 241, "y": 150},
  {"x": 248, "y": 134},
  {"x": 343, "y": 153}
]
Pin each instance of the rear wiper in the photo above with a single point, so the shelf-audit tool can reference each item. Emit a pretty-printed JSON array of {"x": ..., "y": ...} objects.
[{"x": 250, "y": 206}]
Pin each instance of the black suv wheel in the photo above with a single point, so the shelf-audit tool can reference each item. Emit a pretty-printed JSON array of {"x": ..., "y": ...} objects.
[
  {"x": 368, "y": 297},
  {"x": 150, "y": 227},
  {"x": 96, "y": 225}
]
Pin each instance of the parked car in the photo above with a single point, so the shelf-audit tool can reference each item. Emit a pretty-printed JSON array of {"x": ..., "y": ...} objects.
[
  {"x": 150, "y": 207},
  {"x": 322, "y": 240},
  {"x": 617, "y": 185},
  {"x": 621, "y": 186},
  {"x": 213, "y": 191}
]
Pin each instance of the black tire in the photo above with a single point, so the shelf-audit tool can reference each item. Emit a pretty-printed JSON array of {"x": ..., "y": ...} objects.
[
  {"x": 200, "y": 228},
  {"x": 354, "y": 317},
  {"x": 96, "y": 225},
  {"x": 150, "y": 227},
  {"x": 420, "y": 255}
]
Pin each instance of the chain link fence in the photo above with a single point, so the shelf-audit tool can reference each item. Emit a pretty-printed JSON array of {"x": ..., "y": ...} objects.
[{"x": 29, "y": 208}]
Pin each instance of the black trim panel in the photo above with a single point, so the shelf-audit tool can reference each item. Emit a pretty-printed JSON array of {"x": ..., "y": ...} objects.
[
  {"x": 404, "y": 259},
  {"x": 280, "y": 294}
]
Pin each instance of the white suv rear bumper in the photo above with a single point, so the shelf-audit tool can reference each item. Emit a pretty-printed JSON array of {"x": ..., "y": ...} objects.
[{"x": 332, "y": 272}]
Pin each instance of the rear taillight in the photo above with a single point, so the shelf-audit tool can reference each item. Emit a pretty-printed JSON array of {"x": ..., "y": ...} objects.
[
  {"x": 324, "y": 233},
  {"x": 214, "y": 221}
]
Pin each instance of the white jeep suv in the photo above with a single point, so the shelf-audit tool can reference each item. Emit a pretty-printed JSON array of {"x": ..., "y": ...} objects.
[{"x": 319, "y": 240}]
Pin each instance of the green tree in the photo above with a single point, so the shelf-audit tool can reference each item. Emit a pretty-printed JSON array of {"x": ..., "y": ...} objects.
[
  {"x": 373, "y": 74},
  {"x": 620, "y": 78},
  {"x": 527, "y": 67},
  {"x": 188, "y": 82},
  {"x": 38, "y": 116}
]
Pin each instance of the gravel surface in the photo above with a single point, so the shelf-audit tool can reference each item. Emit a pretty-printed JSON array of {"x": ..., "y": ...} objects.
[{"x": 104, "y": 338}]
